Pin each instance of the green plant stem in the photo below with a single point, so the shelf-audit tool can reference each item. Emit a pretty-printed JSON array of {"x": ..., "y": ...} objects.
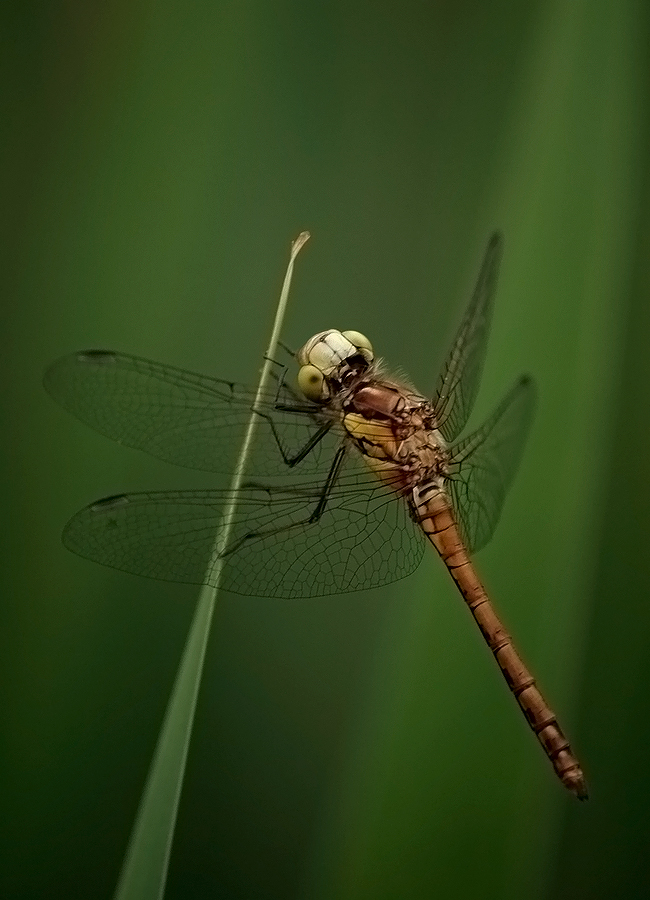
[{"x": 144, "y": 871}]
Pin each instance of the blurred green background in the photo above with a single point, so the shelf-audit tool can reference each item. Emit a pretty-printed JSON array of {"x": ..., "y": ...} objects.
[{"x": 160, "y": 157}]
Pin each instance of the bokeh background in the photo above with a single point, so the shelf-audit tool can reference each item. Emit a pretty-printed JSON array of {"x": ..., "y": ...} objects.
[{"x": 160, "y": 157}]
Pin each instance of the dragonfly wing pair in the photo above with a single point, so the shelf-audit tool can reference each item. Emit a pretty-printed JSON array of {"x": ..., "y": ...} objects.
[{"x": 364, "y": 536}]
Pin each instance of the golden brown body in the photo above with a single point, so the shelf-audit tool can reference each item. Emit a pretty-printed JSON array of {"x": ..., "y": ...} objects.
[{"x": 394, "y": 430}]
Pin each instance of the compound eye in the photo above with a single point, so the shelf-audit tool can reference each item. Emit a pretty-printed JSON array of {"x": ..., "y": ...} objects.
[
  {"x": 360, "y": 341},
  {"x": 311, "y": 382}
]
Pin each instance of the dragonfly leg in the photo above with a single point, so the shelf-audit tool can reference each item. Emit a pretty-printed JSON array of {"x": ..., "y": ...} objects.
[
  {"x": 279, "y": 376},
  {"x": 282, "y": 384},
  {"x": 298, "y": 407},
  {"x": 288, "y": 350},
  {"x": 330, "y": 481},
  {"x": 293, "y": 459},
  {"x": 310, "y": 519}
]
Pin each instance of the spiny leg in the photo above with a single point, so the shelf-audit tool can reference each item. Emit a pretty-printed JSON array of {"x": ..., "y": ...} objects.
[{"x": 310, "y": 519}]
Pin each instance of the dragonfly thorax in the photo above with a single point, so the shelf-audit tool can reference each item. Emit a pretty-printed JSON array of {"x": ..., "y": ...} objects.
[{"x": 332, "y": 360}]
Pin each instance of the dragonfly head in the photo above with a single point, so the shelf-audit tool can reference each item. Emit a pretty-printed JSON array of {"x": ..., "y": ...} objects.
[{"x": 332, "y": 360}]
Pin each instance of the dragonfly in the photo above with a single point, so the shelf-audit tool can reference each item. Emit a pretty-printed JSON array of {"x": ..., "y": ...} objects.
[{"x": 356, "y": 472}]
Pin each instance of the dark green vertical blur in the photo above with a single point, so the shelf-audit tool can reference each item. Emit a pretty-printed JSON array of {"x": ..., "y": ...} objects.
[
  {"x": 607, "y": 855},
  {"x": 159, "y": 158}
]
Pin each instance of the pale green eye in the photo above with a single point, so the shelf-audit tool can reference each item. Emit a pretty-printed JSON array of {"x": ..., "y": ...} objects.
[
  {"x": 312, "y": 383},
  {"x": 359, "y": 340}
]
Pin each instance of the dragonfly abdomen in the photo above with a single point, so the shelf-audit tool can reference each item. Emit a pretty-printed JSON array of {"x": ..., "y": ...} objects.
[{"x": 435, "y": 515}]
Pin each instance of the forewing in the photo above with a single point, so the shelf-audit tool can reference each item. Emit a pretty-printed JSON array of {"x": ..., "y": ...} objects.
[
  {"x": 461, "y": 372},
  {"x": 181, "y": 417},
  {"x": 484, "y": 464},
  {"x": 364, "y": 538}
]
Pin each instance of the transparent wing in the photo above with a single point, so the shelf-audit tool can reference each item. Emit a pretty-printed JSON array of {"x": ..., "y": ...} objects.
[
  {"x": 364, "y": 538},
  {"x": 181, "y": 417},
  {"x": 461, "y": 372},
  {"x": 484, "y": 464}
]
